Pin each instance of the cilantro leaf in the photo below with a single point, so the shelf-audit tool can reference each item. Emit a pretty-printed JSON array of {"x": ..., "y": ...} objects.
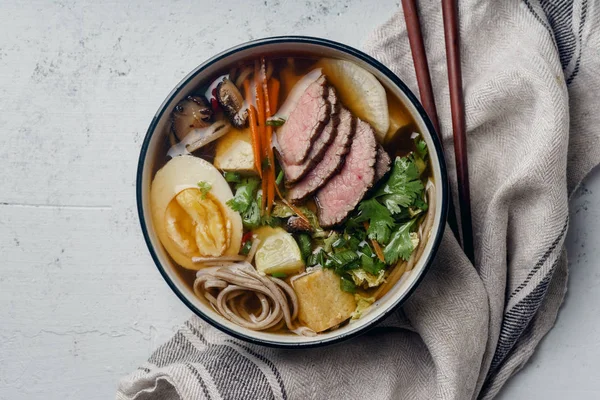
[
  {"x": 245, "y": 192},
  {"x": 421, "y": 205},
  {"x": 251, "y": 216},
  {"x": 204, "y": 188},
  {"x": 400, "y": 245},
  {"x": 402, "y": 187},
  {"x": 232, "y": 177},
  {"x": 270, "y": 220},
  {"x": 380, "y": 220},
  {"x": 421, "y": 148}
]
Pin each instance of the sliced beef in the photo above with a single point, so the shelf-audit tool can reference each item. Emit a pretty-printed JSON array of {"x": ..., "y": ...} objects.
[
  {"x": 383, "y": 163},
  {"x": 332, "y": 160},
  {"x": 342, "y": 193},
  {"x": 305, "y": 123},
  {"x": 293, "y": 173}
]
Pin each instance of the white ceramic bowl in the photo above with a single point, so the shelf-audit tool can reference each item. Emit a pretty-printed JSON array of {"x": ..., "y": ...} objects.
[{"x": 155, "y": 140}]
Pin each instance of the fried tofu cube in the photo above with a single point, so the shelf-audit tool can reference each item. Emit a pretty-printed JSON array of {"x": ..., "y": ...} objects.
[
  {"x": 322, "y": 303},
  {"x": 234, "y": 152}
]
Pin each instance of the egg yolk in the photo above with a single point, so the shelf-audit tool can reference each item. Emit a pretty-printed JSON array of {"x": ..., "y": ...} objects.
[{"x": 196, "y": 223}]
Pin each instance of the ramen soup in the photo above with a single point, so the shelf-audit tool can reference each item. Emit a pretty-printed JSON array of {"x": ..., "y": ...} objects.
[{"x": 293, "y": 192}]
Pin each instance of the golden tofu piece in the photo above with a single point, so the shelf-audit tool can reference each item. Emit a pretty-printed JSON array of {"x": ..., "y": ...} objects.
[
  {"x": 234, "y": 152},
  {"x": 322, "y": 302}
]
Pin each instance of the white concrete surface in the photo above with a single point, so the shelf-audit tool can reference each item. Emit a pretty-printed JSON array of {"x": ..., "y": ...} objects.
[{"x": 81, "y": 303}]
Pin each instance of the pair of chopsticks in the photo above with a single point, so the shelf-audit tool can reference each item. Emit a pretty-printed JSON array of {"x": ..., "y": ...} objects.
[{"x": 450, "y": 17}]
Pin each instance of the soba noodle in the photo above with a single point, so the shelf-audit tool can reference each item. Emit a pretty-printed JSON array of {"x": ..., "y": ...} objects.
[{"x": 229, "y": 288}]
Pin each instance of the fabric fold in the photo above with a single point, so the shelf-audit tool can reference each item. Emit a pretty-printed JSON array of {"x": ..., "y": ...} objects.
[{"x": 531, "y": 95}]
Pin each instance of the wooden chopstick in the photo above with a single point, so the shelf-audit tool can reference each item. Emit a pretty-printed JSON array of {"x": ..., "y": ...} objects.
[
  {"x": 457, "y": 106},
  {"x": 417, "y": 48}
]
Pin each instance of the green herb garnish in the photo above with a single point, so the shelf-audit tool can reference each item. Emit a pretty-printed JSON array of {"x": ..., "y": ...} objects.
[
  {"x": 266, "y": 163},
  {"x": 402, "y": 187},
  {"x": 279, "y": 178},
  {"x": 316, "y": 258},
  {"x": 275, "y": 121},
  {"x": 421, "y": 148},
  {"x": 347, "y": 285},
  {"x": 380, "y": 220},
  {"x": 279, "y": 275},
  {"x": 245, "y": 193},
  {"x": 329, "y": 240},
  {"x": 204, "y": 188},
  {"x": 371, "y": 264},
  {"x": 344, "y": 257},
  {"x": 400, "y": 245},
  {"x": 305, "y": 245},
  {"x": 232, "y": 177},
  {"x": 251, "y": 217},
  {"x": 246, "y": 247}
]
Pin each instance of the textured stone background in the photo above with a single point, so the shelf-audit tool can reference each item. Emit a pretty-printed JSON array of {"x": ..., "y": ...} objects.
[{"x": 81, "y": 302}]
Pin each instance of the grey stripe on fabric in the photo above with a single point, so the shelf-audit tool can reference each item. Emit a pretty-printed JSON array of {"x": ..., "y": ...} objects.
[
  {"x": 517, "y": 319},
  {"x": 580, "y": 38},
  {"x": 176, "y": 349},
  {"x": 542, "y": 260},
  {"x": 539, "y": 18},
  {"x": 560, "y": 15},
  {"x": 268, "y": 362},
  {"x": 196, "y": 332},
  {"x": 238, "y": 378},
  {"x": 195, "y": 372}
]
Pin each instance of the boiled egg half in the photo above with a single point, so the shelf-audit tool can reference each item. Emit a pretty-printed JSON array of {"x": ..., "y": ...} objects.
[{"x": 190, "y": 220}]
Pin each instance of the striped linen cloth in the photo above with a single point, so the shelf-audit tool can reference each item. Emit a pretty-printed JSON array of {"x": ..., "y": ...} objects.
[{"x": 531, "y": 85}]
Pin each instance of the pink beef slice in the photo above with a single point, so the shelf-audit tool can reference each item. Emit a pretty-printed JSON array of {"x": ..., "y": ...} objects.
[
  {"x": 332, "y": 161},
  {"x": 342, "y": 193},
  {"x": 382, "y": 165},
  {"x": 305, "y": 123},
  {"x": 294, "y": 173}
]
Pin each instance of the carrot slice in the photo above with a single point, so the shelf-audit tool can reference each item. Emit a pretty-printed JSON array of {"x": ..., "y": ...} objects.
[
  {"x": 270, "y": 104},
  {"x": 375, "y": 244},
  {"x": 274, "y": 86},
  {"x": 378, "y": 250},
  {"x": 260, "y": 97},
  {"x": 256, "y": 142}
]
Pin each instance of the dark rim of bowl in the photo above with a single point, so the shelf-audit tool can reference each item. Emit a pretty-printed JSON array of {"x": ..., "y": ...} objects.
[{"x": 352, "y": 52}]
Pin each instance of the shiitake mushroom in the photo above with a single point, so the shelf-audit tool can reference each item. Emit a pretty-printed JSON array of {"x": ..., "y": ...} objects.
[
  {"x": 296, "y": 224},
  {"x": 232, "y": 102},
  {"x": 190, "y": 113}
]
